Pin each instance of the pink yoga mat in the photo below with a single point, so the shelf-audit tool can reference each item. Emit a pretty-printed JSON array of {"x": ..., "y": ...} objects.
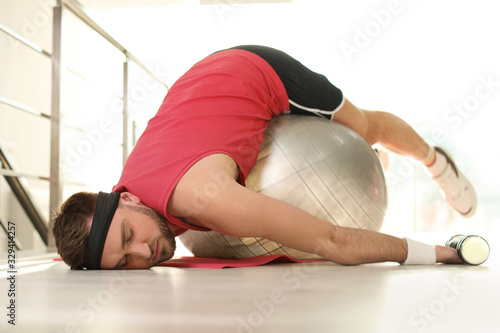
[
  {"x": 215, "y": 263},
  {"x": 195, "y": 262}
]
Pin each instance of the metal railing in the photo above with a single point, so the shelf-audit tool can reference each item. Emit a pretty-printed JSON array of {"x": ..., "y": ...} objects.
[
  {"x": 21, "y": 193},
  {"x": 14, "y": 176}
]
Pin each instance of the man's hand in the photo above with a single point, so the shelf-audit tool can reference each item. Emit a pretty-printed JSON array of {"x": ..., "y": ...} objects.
[{"x": 447, "y": 255}]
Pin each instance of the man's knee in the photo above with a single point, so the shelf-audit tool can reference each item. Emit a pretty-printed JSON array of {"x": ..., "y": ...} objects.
[{"x": 372, "y": 127}]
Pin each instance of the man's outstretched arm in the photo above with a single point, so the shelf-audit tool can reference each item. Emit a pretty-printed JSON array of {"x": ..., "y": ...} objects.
[
  {"x": 238, "y": 211},
  {"x": 254, "y": 215}
]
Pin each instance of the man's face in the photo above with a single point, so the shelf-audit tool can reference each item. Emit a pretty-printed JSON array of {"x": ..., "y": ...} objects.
[{"x": 138, "y": 237}]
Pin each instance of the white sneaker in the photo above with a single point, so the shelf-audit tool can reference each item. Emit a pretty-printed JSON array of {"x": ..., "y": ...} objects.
[{"x": 457, "y": 189}]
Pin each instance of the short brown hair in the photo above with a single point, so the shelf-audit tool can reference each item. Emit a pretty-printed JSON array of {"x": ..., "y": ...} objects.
[{"x": 71, "y": 230}]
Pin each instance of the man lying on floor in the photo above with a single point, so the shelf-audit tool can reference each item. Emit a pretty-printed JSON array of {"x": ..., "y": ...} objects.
[{"x": 212, "y": 121}]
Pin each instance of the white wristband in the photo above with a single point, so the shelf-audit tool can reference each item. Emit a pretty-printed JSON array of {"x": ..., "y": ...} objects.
[{"x": 419, "y": 253}]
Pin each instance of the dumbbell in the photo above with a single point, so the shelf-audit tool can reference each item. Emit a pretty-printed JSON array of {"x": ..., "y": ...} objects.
[{"x": 472, "y": 249}]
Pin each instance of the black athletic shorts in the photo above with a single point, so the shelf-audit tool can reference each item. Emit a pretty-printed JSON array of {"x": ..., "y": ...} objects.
[{"x": 308, "y": 92}]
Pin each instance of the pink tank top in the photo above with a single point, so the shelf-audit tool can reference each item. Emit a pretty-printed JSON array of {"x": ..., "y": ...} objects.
[{"x": 223, "y": 104}]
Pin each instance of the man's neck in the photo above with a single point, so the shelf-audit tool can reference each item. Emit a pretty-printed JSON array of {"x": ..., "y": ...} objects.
[{"x": 176, "y": 230}]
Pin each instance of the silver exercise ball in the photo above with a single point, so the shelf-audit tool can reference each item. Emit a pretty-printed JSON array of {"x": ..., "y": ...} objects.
[{"x": 319, "y": 166}]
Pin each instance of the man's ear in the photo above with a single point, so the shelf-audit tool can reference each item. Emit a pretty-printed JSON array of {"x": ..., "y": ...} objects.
[{"x": 129, "y": 197}]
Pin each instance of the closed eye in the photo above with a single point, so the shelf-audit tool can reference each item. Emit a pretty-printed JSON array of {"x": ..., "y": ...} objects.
[
  {"x": 125, "y": 240},
  {"x": 131, "y": 235},
  {"x": 129, "y": 240}
]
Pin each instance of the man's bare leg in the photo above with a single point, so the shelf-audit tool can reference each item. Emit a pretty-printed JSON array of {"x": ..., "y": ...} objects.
[
  {"x": 384, "y": 128},
  {"x": 397, "y": 136}
]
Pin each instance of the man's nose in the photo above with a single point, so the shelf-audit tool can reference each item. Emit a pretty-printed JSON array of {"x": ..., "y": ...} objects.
[{"x": 141, "y": 250}]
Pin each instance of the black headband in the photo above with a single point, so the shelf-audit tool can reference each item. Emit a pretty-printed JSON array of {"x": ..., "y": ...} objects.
[{"x": 104, "y": 212}]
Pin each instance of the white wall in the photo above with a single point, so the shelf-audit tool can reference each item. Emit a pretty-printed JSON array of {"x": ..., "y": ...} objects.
[{"x": 25, "y": 78}]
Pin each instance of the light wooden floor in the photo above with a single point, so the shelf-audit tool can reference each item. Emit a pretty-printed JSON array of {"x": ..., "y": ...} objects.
[{"x": 313, "y": 297}]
